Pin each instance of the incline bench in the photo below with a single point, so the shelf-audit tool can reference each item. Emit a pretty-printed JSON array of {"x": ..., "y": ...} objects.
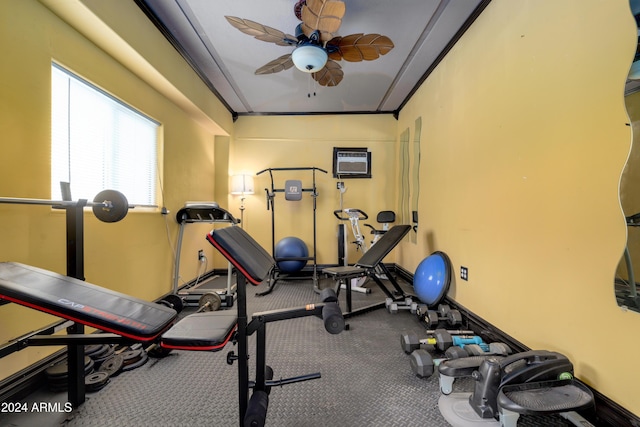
[
  {"x": 367, "y": 265},
  {"x": 126, "y": 319}
]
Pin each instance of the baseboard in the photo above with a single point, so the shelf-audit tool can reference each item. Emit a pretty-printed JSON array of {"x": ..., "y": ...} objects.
[{"x": 607, "y": 414}]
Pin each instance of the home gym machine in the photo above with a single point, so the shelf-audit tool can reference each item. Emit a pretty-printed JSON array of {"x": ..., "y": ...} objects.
[
  {"x": 292, "y": 190},
  {"x": 194, "y": 294}
]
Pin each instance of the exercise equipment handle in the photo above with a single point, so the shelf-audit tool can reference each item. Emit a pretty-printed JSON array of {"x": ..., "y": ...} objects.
[{"x": 339, "y": 214}]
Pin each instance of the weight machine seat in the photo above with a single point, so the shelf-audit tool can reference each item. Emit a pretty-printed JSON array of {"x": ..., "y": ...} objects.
[
  {"x": 243, "y": 252},
  {"x": 343, "y": 272},
  {"x": 208, "y": 331},
  {"x": 83, "y": 302},
  {"x": 373, "y": 257}
]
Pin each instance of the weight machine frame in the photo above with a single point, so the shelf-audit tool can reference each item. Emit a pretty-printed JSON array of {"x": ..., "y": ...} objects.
[{"x": 275, "y": 276}]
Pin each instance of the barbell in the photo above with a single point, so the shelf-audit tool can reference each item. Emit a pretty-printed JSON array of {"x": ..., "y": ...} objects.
[{"x": 107, "y": 205}]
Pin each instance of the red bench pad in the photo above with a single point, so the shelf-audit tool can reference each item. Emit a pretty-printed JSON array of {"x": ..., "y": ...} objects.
[
  {"x": 83, "y": 302},
  {"x": 208, "y": 331}
]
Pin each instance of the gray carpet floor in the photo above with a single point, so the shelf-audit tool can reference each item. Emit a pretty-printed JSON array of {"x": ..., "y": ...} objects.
[{"x": 366, "y": 378}]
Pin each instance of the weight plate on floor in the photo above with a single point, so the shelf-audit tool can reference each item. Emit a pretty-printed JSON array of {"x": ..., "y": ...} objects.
[
  {"x": 90, "y": 350},
  {"x": 141, "y": 361},
  {"x": 131, "y": 356},
  {"x": 210, "y": 301},
  {"x": 176, "y": 302},
  {"x": 112, "y": 365},
  {"x": 61, "y": 369},
  {"x": 96, "y": 380},
  {"x": 117, "y": 209}
]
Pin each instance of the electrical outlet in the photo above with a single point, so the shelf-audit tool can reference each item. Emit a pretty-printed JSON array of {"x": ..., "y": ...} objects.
[
  {"x": 200, "y": 255},
  {"x": 464, "y": 273}
]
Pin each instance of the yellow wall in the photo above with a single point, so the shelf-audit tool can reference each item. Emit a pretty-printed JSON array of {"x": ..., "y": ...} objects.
[
  {"x": 135, "y": 255},
  {"x": 524, "y": 138},
  {"x": 297, "y": 141}
]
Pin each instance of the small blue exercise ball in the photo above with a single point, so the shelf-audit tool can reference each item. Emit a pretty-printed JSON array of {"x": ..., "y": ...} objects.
[
  {"x": 291, "y": 247},
  {"x": 432, "y": 278}
]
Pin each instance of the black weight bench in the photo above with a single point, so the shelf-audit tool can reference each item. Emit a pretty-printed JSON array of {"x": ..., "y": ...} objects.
[
  {"x": 254, "y": 265},
  {"x": 368, "y": 265},
  {"x": 536, "y": 382},
  {"x": 125, "y": 319}
]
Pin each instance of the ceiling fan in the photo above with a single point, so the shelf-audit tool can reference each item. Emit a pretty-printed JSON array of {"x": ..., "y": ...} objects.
[{"x": 317, "y": 45}]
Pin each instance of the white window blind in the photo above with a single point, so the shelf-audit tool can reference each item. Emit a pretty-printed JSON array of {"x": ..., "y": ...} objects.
[{"x": 99, "y": 143}]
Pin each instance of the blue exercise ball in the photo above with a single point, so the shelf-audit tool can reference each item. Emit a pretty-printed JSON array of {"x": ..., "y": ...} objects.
[
  {"x": 291, "y": 247},
  {"x": 432, "y": 278}
]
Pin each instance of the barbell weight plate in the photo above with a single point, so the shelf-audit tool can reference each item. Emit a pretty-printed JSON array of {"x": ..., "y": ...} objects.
[
  {"x": 176, "y": 302},
  {"x": 210, "y": 301},
  {"x": 116, "y": 209},
  {"x": 112, "y": 365}
]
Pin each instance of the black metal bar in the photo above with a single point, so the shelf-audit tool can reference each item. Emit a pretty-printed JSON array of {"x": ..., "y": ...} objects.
[
  {"x": 291, "y": 169},
  {"x": 261, "y": 357},
  {"x": 75, "y": 361},
  {"x": 264, "y": 317},
  {"x": 75, "y": 239},
  {"x": 284, "y": 381},
  {"x": 21, "y": 342},
  {"x": 243, "y": 351},
  {"x": 76, "y": 339}
]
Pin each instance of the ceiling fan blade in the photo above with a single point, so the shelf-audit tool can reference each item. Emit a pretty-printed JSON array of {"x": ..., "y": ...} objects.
[
  {"x": 330, "y": 75},
  {"x": 360, "y": 47},
  {"x": 324, "y": 16},
  {"x": 280, "y": 64},
  {"x": 262, "y": 32}
]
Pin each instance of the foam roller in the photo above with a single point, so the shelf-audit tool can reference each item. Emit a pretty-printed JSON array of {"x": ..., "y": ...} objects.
[
  {"x": 256, "y": 414},
  {"x": 333, "y": 318}
]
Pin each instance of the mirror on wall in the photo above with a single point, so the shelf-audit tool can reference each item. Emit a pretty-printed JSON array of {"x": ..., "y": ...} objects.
[
  {"x": 404, "y": 190},
  {"x": 409, "y": 191},
  {"x": 628, "y": 271},
  {"x": 415, "y": 178}
]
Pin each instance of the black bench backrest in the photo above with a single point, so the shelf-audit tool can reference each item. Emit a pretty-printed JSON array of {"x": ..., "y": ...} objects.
[
  {"x": 381, "y": 249},
  {"x": 83, "y": 302},
  {"x": 241, "y": 250}
]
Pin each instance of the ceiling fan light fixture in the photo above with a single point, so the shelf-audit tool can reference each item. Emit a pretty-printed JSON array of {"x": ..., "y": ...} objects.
[{"x": 309, "y": 58}]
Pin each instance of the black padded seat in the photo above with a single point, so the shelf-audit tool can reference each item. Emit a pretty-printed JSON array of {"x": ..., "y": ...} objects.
[
  {"x": 373, "y": 257},
  {"x": 83, "y": 302},
  {"x": 239, "y": 248},
  {"x": 345, "y": 272},
  {"x": 208, "y": 331}
]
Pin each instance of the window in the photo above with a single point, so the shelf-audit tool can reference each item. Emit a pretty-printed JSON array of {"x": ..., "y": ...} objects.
[{"x": 99, "y": 143}]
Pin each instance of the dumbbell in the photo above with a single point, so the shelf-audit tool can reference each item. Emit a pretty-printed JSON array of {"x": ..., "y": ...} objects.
[
  {"x": 411, "y": 342},
  {"x": 472, "y": 345},
  {"x": 444, "y": 313},
  {"x": 408, "y": 304},
  {"x": 423, "y": 364}
]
